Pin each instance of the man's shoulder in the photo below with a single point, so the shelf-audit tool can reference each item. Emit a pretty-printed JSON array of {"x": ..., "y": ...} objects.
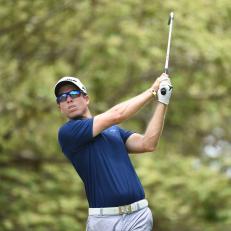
[
  {"x": 76, "y": 128},
  {"x": 65, "y": 126},
  {"x": 74, "y": 122}
]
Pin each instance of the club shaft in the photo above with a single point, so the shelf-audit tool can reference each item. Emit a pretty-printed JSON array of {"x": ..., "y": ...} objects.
[{"x": 169, "y": 42}]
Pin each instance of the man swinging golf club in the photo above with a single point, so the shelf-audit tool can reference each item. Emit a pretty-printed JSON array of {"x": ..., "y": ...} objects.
[{"x": 98, "y": 149}]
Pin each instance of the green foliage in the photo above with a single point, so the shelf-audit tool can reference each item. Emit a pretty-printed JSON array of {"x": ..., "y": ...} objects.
[
  {"x": 183, "y": 196},
  {"x": 117, "y": 48}
]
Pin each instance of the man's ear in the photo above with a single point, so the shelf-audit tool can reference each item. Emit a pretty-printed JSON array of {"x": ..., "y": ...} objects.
[{"x": 86, "y": 97}]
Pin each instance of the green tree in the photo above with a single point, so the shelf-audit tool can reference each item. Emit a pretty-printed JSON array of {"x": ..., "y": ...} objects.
[{"x": 117, "y": 48}]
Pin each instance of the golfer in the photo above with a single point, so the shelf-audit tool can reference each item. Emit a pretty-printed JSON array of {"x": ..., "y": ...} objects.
[{"x": 98, "y": 149}]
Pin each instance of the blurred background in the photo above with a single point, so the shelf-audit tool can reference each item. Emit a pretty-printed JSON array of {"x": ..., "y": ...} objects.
[{"x": 117, "y": 48}]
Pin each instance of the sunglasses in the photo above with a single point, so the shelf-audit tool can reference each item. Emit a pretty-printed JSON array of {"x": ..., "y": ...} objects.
[{"x": 63, "y": 97}]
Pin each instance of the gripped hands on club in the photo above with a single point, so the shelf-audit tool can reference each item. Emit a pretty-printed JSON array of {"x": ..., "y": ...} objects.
[{"x": 163, "y": 82}]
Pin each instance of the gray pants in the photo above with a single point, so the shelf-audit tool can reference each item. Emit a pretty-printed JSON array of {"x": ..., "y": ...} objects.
[{"x": 137, "y": 221}]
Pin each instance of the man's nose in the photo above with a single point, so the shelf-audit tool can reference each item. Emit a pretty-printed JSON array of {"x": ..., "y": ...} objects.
[{"x": 69, "y": 99}]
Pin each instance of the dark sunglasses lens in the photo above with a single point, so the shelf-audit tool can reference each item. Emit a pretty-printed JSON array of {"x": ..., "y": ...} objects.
[
  {"x": 74, "y": 94},
  {"x": 62, "y": 98}
]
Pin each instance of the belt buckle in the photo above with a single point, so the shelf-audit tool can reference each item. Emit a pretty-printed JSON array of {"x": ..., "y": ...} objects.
[{"x": 126, "y": 209}]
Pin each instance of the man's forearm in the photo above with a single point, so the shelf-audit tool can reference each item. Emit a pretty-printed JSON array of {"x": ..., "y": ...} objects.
[
  {"x": 155, "y": 127},
  {"x": 128, "y": 108}
]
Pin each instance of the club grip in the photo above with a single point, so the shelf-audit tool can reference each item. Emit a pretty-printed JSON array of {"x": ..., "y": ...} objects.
[{"x": 163, "y": 90}]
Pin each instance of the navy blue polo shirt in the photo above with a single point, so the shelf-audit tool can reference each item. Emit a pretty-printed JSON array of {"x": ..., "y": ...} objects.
[{"x": 102, "y": 162}]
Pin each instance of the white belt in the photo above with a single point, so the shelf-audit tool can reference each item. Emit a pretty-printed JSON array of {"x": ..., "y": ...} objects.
[{"x": 125, "y": 209}]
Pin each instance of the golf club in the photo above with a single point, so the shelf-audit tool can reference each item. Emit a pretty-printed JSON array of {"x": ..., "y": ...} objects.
[{"x": 170, "y": 23}]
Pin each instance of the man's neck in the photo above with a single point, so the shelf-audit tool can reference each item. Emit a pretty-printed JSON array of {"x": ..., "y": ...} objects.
[{"x": 86, "y": 115}]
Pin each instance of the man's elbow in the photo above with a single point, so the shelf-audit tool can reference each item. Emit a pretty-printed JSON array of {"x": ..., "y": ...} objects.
[
  {"x": 150, "y": 147},
  {"x": 117, "y": 116}
]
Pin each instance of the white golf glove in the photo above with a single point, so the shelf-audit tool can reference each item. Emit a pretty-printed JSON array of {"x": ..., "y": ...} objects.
[{"x": 165, "y": 91}]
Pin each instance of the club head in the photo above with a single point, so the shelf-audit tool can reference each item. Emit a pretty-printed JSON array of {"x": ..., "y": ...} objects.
[{"x": 171, "y": 17}]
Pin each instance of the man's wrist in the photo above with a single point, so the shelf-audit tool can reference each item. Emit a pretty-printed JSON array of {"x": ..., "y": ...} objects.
[
  {"x": 161, "y": 103},
  {"x": 153, "y": 93}
]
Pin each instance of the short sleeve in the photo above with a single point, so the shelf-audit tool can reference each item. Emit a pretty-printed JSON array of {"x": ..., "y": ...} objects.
[
  {"x": 124, "y": 134},
  {"x": 75, "y": 133}
]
